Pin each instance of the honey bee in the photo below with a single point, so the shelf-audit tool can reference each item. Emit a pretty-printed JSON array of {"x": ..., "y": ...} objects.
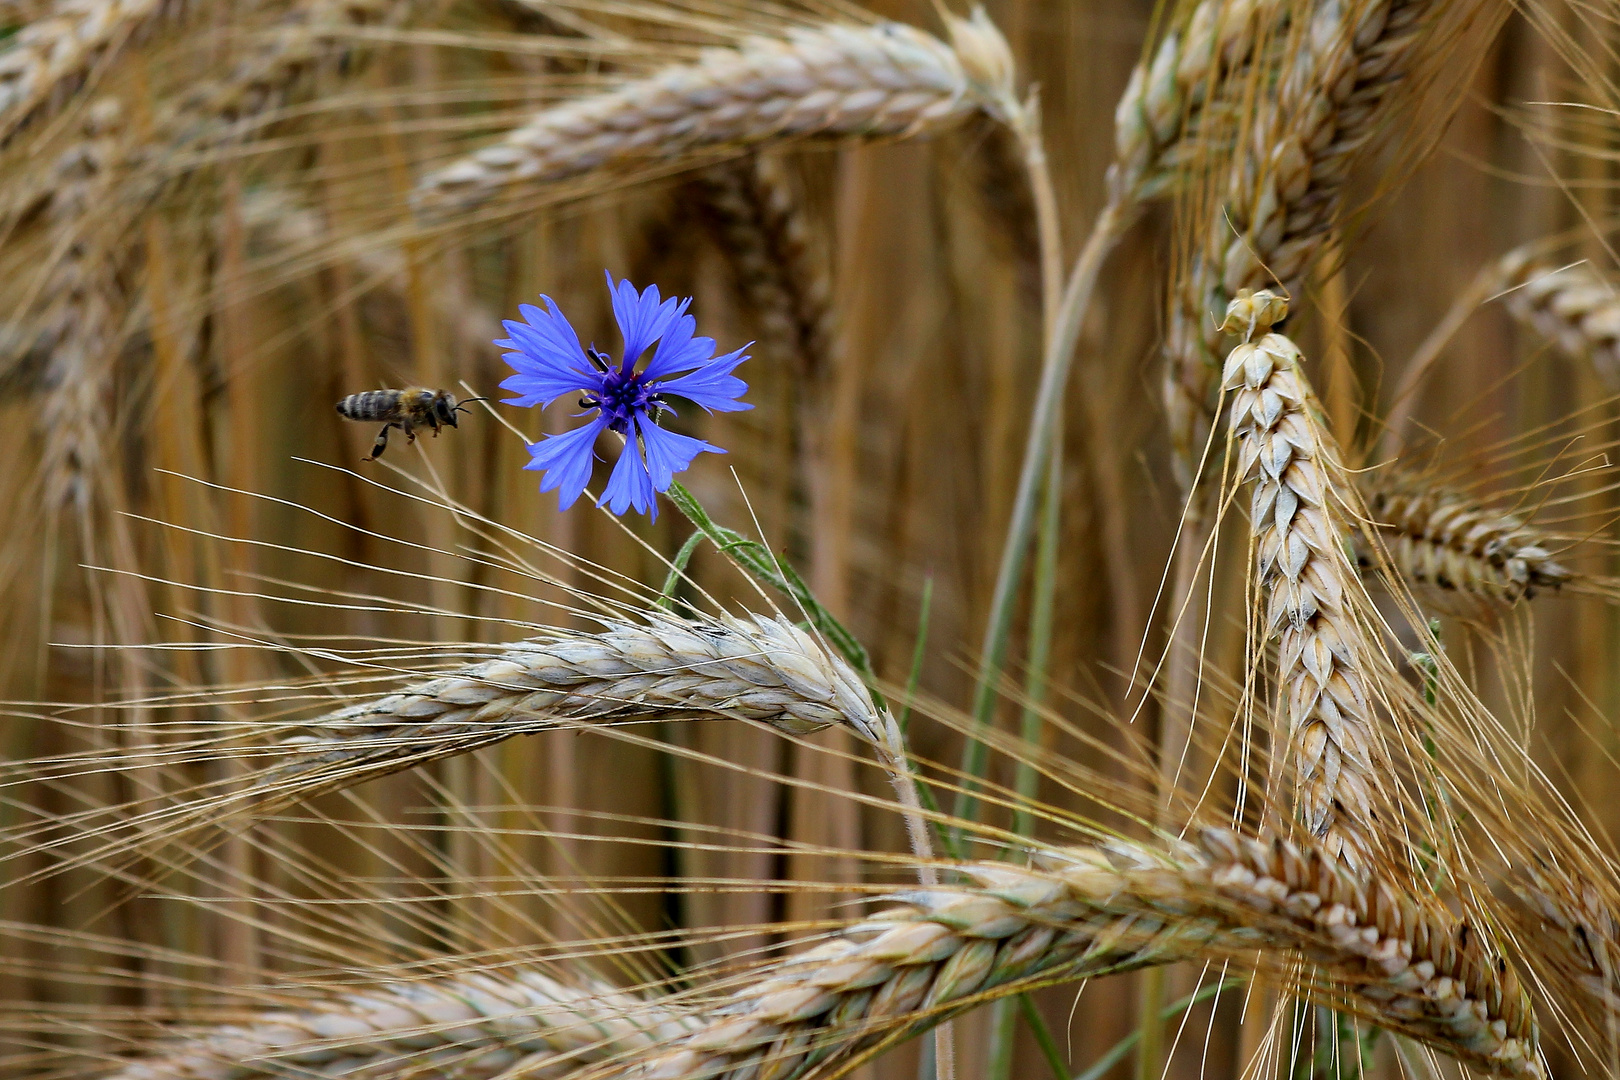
[{"x": 407, "y": 409}]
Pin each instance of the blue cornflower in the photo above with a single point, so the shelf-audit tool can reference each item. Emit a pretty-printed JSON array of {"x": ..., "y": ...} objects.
[{"x": 549, "y": 362}]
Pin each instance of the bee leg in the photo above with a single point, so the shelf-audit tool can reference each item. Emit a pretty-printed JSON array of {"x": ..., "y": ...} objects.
[
  {"x": 380, "y": 445},
  {"x": 410, "y": 432}
]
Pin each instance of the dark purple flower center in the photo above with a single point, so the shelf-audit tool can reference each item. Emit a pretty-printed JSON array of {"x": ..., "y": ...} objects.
[{"x": 623, "y": 395}]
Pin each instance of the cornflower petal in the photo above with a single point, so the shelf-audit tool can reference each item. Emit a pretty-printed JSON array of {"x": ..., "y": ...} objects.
[
  {"x": 630, "y": 486},
  {"x": 678, "y": 350},
  {"x": 669, "y": 452},
  {"x": 642, "y": 318},
  {"x": 712, "y": 386},
  {"x": 567, "y": 459},
  {"x": 542, "y": 390},
  {"x": 546, "y": 356}
]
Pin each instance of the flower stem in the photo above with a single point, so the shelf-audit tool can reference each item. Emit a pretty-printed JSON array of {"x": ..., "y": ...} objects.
[
  {"x": 762, "y": 563},
  {"x": 759, "y": 561},
  {"x": 888, "y": 743}
]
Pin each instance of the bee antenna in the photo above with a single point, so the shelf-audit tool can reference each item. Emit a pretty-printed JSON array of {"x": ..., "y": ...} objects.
[{"x": 464, "y": 402}]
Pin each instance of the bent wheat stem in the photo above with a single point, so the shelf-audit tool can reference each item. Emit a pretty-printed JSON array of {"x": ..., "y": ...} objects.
[{"x": 1056, "y": 361}]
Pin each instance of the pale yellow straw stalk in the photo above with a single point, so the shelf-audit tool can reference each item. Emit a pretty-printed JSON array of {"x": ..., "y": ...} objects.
[
  {"x": 1439, "y": 537},
  {"x": 1408, "y": 964},
  {"x": 1308, "y": 583},
  {"x": 835, "y": 80},
  {"x": 470, "y": 1027}
]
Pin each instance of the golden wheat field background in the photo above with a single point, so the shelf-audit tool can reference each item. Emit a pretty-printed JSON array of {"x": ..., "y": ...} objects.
[{"x": 1185, "y": 680}]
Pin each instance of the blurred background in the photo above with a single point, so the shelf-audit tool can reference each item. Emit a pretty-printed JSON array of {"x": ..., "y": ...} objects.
[{"x": 205, "y": 246}]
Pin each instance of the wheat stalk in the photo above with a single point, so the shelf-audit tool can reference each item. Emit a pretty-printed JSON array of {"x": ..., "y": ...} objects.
[
  {"x": 1576, "y": 939},
  {"x": 1282, "y": 192},
  {"x": 1442, "y": 538},
  {"x": 838, "y": 81},
  {"x": 1407, "y": 963},
  {"x": 1324, "y": 658},
  {"x": 467, "y": 1026}
]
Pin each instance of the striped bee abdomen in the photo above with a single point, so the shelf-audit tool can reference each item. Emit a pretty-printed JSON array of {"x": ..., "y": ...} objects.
[{"x": 371, "y": 405}]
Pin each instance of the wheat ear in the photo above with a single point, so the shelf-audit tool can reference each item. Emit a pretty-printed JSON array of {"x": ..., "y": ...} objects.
[
  {"x": 1163, "y": 117},
  {"x": 1309, "y": 583},
  {"x": 781, "y": 270},
  {"x": 1282, "y": 192},
  {"x": 1409, "y": 964},
  {"x": 884, "y": 80},
  {"x": 754, "y": 668},
  {"x": 306, "y": 35},
  {"x": 471, "y": 1027},
  {"x": 1576, "y": 940},
  {"x": 1577, "y": 308},
  {"x": 1443, "y": 538},
  {"x": 82, "y": 301},
  {"x": 49, "y": 57},
  {"x": 1406, "y": 963}
]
